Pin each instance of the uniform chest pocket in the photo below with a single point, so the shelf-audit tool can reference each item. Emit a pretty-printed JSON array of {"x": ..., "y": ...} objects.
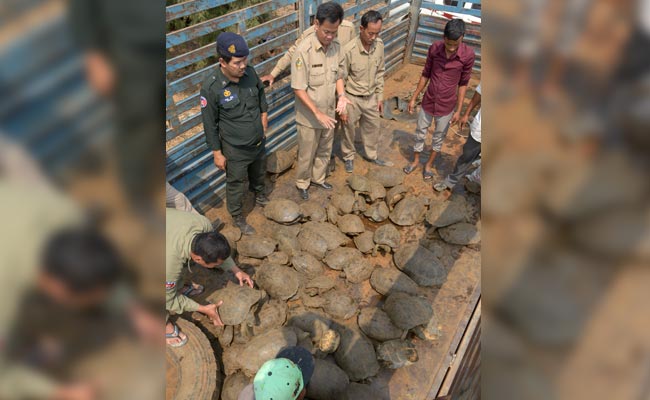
[
  {"x": 317, "y": 76},
  {"x": 229, "y": 100},
  {"x": 252, "y": 97}
]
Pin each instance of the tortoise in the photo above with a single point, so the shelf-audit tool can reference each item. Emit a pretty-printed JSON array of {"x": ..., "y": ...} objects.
[
  {"x": 396, "y": 353},
  {"x": 232, "y": 235},
  {"x": 312, "y": 211},
  {"x": 279, "y": 281},
  {"x": 313, "y": 243},
  {"x": 389, "y": 280},
  {"x": 358, "y": 269},
  {"x": 286, "y": 236},
  {"x": 409, "y": 211},
  {"x": 256, "y": 246},
  {"x": 237, "y": 302},
  {"x": 329, "y": 232},
  {"x": 279, "y": 161},
  {"x": 307, "y": 264},
  {"x": 358, "y": 391},
  {"x": 271, "y": 314},
  {"x": 327, "y": 382},
  {"x": 332, "y": 213},
  {"x": 338, "y": 258},
  {"x": 339, "y": 305},
  {"x": 461, "y": 233},
  {"x": 344, "y": 202},
  {"x": 407, "y": 311},
  {"x": 350, "y": 224},
  {"x": 329, "y": 341},
  {"x": 283, "y": 211},
  {"x": 278, "y": 257},
  {"x": 375, "y": 323},
  {"x": 364, "y": 242},
  {"x": 356, "y": 354},
  {"x": 395, "y": 194},
  {"x": 429, "y": 331},
  {"x": 319, "y": 285},
  {"x": 377, "y": 212},
  {"x": 387, "y": 237},
  {"x": 367, "y": 187},
  {"x": 377, "y": 191},
  {"x": 388, "y": 176},
  {"x": 249, "y": 358},
  {"x": 359, "y": 206},
  {"x": 420, "y": 264},
  {"x": 233, "y": 385},
  {"x": 316, "y": 323},
  {"x": 226, "y": 335},
  {"x": 444, "y": 213}
]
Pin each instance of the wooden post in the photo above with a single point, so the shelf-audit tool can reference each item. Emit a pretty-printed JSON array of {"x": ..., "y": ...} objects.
[
  {"x": 413, "y": 29},
  {"x": 301, "y": 16}
]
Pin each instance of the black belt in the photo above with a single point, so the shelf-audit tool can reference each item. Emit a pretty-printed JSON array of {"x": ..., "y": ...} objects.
[
  {"x": 356, "y": 95},
  {"x": 247, "y": 146}
]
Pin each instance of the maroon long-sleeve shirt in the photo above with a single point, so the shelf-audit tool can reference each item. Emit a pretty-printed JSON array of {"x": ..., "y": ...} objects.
[{"x": 445, "y": 76}]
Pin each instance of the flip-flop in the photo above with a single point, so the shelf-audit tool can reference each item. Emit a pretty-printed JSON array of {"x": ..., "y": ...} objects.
[
  {"x": 193, "y": 289},
  {"x": 174, "y": 335},
  {"x": 409, "y": 168},
  {"x": 441, "y": 186},
  {"x": 427, "y": 175}
]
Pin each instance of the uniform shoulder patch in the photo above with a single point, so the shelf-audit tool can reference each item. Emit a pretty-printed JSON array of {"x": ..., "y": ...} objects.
[
  {"x": 299, "y": 63},
  {"x": 170, "y": 285},
  {"x": 204, "y": 102}
]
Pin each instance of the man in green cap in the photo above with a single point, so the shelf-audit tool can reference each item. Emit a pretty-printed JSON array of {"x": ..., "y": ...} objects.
[
  {"x": 235, "y": 119},
  {"x": 190, "y": 237},
  {"x": 283, "y": 378}
]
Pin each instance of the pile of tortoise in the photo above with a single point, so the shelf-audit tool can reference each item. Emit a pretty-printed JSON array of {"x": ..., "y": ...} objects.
[{"x": 306, "y": 271}]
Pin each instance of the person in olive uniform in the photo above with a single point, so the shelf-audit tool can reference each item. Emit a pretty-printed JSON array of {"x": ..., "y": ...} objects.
[
  {"x": 235, "y": 118},
  {"x": 363, "y": 66},
  {"x": 190, "y": 237},
  {"x": 315, "y": 80}
]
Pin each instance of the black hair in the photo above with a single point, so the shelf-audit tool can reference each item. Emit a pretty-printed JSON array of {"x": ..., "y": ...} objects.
[
  {"x": 225, "y": 57},
  {"x": 371, "y": 17},
  {"x": 330, "y": 11},
  {"x": 82, "y": 259},
  {"x": 211, "y": 247},
  {"x": 454, "y": 29}
]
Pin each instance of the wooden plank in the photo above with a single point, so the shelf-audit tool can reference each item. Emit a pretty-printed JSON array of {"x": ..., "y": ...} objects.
[
  {"x": 224, "y": 21},
  {"x": 413, "y": 26},
  {"x": 365, "y": 6},
  {"x": 186, "y": 8},
  {"x": 441, "y": 7}
]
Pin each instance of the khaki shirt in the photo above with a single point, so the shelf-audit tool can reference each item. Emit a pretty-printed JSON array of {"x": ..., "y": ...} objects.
[
  {"x": 364, "y": 70},
  {"x": 346, "y": 33},
  {"x": 316, "y": 71},
  {"x": 181, "y": 228}
]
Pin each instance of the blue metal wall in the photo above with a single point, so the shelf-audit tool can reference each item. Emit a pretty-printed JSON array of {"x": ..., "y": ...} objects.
[{"x": 189, "y": 162}]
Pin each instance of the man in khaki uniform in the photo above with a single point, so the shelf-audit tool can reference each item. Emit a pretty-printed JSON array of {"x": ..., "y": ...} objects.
[
  {"x": 346, "y": 33},
  {"x": 363, "y": 65},
  {"x": 190, "y": 237},
  {"x": 315, "y": 80}
]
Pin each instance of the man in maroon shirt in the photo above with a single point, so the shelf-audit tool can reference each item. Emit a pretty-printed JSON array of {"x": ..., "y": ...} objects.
[{"x": 448, "y": 67}]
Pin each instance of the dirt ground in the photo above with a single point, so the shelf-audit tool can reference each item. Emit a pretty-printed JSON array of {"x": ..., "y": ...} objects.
[{"x": 449, "y": 302}]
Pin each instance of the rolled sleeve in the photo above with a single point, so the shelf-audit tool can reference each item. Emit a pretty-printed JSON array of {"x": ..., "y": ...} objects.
[
  {"x": 466, "y": 74},
  {"x": 228, "y": 264},
  {"x": 298, "y": 74},
  {"x": 178, "y": 303},
  {"x": 210, "y": 116}
]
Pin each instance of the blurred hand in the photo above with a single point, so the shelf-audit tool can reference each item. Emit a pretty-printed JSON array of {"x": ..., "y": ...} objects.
[
  {"x": 325, "y": 120},
  {"x": 344, "y": 118},
  {"x": 146, "y": 324},
  {"x": 342, "y": 104},
  {"x": 100, "y": 73},
  {"x": 455, "y": 118},
  {"x": 380, "y": 107},
  {"x": 411, "y": 107},
  {"x": 268, "y": 78},
  {"x": 210, "y": 310},
  {"x": 243, "y": 277},
  {"x": 462, "y": 122},
  {"x": 265, "y": 121},
  {"x": 76, "y": 391},
  {"x": 219, "y": 160}
]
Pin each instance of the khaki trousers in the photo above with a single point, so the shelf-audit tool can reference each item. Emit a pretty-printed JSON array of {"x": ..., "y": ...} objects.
[
  {"x": 314, "y": 151},
  {"x": 362, "y": 110}
]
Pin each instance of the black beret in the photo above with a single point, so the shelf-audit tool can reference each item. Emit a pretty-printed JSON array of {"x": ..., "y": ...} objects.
[{"x": 231, "y": 44}]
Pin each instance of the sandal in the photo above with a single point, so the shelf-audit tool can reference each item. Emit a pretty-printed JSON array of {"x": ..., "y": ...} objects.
[
  {"x": 441, "y": 187},
  {"x": 427, "y": 175},
  {"x": 174, "y": 335},
  {"x": 194, "y": 289},
  {"x": 409, "y": 168}
]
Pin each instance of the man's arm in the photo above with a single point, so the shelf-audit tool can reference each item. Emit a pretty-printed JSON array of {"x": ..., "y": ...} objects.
[
  {"x": 380, "y": 82},
  {"x": 465, "y": 76},
  {"x": 264, "y": 107},
  {"x": 210, "y": 116},
  {"x": 475, "y": 102},
  {"x": 284, "y": 62}
]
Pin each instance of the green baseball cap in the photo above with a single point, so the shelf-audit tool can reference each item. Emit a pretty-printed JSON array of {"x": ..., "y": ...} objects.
[{"x": 278, "y": 379}]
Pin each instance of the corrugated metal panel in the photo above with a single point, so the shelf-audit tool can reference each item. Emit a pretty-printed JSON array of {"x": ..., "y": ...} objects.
[{"x": 189, "y": 163}]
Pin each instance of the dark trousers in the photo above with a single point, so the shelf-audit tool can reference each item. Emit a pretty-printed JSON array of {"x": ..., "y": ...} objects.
[
  {"x": 471, "y": 150},
  {"x": 241, "y": 163}
]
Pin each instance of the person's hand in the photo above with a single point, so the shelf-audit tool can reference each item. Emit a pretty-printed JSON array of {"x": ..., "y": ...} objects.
[
  {"x": 219, "y": 160},
  {"x": 243, "y": 277},
  {"x": 76, "y": 391},
  {"x": 265, "y": 121},
  {"x": 455, "y": 118},
  {"x": 411, "y": 107},
  {"x": 100, "y": 73},
  {"x": 342, "y": 104},
  {"x": 268, "y": 78},
  {"x": 344, "y": 118},
  {"x": 210, "y": 310},
  {"x": 325, "y": 120},
  {"x": 462, "y": 122},
  {"x": 380, "y": 107},
  {"x": 146, "y": 324}
]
